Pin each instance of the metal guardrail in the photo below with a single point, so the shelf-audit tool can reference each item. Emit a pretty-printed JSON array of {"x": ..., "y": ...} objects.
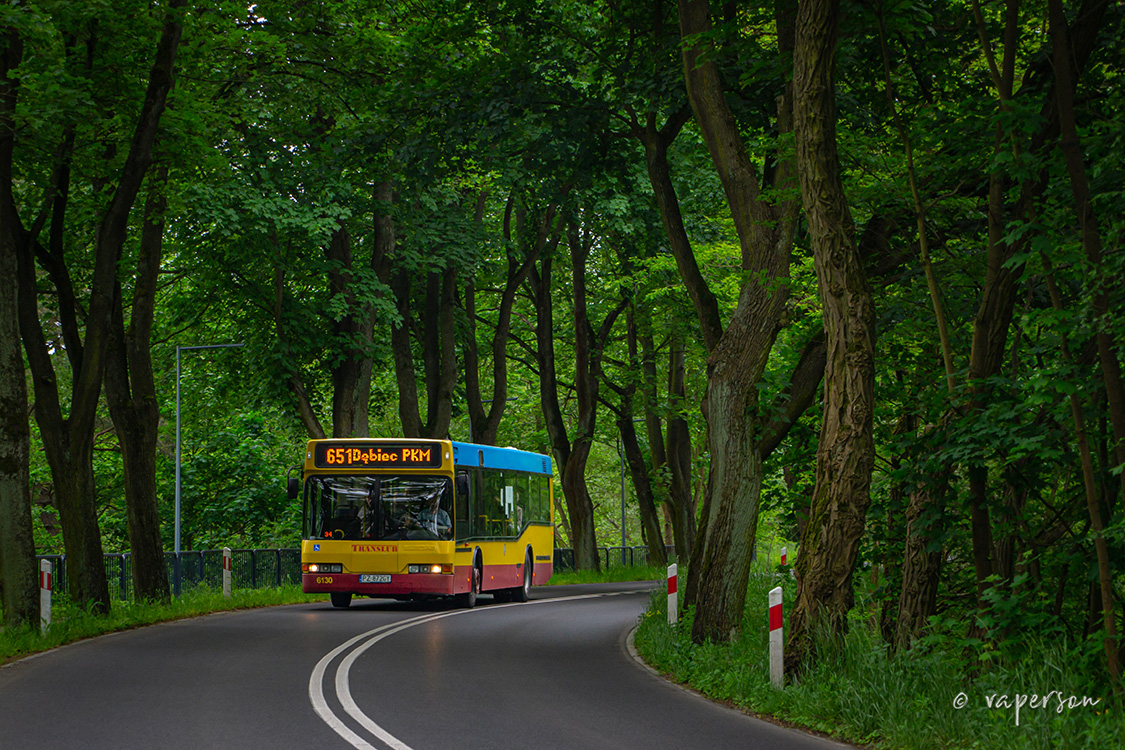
[
  {"x": 259, "y": 568},
  {"x": 610, "y": 557},
  {"x": 252, "y": 568}
]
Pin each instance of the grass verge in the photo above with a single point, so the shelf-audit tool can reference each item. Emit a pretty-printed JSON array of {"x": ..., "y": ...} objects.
[
  {"x": 609, "y": 575},
  {"x": 933, "y": 697}
]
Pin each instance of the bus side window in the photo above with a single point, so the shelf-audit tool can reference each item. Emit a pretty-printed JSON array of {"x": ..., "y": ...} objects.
[{"x": 462, "y": 502}]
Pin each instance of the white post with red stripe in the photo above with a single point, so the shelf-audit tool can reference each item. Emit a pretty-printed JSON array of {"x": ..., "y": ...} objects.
[
  {"x": 44, "y": 595},
  {"x": 226, "y": 571},
  {"x": 777, "y": 650},
  {"x": 673, "y": 615},
  {"x": 783, "y": 558}
]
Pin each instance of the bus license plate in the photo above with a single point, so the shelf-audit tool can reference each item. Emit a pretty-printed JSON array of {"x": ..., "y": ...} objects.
[{"x": 375, "y": 578}]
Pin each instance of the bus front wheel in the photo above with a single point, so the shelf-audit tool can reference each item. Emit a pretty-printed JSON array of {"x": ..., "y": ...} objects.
[
  {"x": 468, "y": 600},
  {"x": 341, "y": 599}
]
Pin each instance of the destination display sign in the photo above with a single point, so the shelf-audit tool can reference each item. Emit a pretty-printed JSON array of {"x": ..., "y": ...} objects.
[{"x": 353, "y": 455}]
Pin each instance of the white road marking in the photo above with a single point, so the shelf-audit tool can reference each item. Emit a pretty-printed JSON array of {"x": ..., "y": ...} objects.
[{"x": 370, "y": 638}]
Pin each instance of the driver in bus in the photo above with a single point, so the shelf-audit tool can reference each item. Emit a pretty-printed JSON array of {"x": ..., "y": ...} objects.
[{"x": 435, "y": 520}]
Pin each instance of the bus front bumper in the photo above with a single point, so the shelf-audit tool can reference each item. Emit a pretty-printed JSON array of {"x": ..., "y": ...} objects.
[{"x": 397, "y": 584}]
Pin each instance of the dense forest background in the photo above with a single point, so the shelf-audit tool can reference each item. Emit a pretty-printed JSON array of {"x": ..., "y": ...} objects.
[{"x": 846, "y": 274}]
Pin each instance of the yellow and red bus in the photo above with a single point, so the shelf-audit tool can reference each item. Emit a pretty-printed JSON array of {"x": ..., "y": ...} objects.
[{"x": 415, "y": 519}]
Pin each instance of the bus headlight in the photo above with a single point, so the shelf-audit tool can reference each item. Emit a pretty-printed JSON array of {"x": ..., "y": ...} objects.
[
  {"x": 429, "y": 568},
  {"x": 323, "y": 568}
]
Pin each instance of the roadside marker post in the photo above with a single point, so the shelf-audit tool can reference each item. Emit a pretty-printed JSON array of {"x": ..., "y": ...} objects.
[
  {"x": 783, "y": 557},
  {"x": 672, "y": 613},
  {"x": 226, "y": 571},
  {"x": 44, "y": 595},
  {"x": 777, "y": 651}
]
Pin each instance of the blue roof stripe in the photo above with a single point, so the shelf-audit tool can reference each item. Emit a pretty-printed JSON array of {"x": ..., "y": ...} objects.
[{"x": 469, "y": 454}]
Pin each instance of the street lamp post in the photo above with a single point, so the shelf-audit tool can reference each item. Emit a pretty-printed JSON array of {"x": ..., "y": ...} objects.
[{"x": 176, "y": 562}]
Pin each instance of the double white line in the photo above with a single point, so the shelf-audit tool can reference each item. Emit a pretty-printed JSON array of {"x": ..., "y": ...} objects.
[
  {"x": 343, "y": 686},
  {"x": 366, "y": 641}
]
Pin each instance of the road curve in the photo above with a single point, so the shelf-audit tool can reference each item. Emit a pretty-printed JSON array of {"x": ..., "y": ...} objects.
[{"x": 552, "y": 673}]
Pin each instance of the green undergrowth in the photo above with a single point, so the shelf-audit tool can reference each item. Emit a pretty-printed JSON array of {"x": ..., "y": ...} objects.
[
  {"x": 70, "y": 623},
  {"x": 608, "y": 575},
  {"x": 942, "y": 694}
]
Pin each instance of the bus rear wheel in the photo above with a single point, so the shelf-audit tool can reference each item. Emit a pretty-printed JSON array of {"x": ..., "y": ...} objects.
[
  {"x": 522, "y": 592},
  {"x": 341, "y": 599}
]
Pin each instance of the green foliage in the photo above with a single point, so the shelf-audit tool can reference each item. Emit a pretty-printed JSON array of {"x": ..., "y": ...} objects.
[
  {"x": 233, "y": 488},
  {"x": 283, "y": 119},
  {"x": 926, "y": 698}
]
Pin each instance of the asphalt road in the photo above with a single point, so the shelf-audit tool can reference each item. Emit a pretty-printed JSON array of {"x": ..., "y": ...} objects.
[{"x": 552, "y": 673}]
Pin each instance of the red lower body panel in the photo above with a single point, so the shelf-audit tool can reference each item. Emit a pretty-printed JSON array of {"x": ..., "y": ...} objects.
[{"x": 433, "y": 584}]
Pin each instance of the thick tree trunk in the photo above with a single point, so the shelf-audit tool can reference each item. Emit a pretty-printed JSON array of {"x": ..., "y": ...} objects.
[
  {"x": 68, "y": 442},
  {"x": 846, "y": 453},
  {"x": 720, "y": 558},
  {"x": 131, "y": 395},
  {"x": 721, "y": 555},
  {"x": 18, "y": 590}
]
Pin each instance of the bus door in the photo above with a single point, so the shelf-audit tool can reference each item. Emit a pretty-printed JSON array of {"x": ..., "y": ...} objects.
[{"x": 463, "y": 505}]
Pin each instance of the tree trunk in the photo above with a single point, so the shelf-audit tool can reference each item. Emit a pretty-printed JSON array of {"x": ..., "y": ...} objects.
[
  {"x": 656, "y": 143},
  {"x": 486, "y": 424},
  {"x": 921, "y": 564},
  {"x": 68, "y": 442},
  {"x": 994, "y": 315},
  {"x": 721, "y": 555},
  {"x": 642, "y": 484},
  {"x": 587, "y": 355},
  {"x": 678, "y": 452},
  {"x": 18, "y": 590},
  {"x": 846, "y": 452},
  {"x": 579, "y": 509},
  {"x": 1090, "y": 485},
  {"x": 439, "y": 363},
  {"x": 347, "y": 333},
  {"x": 720, "y": 559},
  {"x": 133, "y": 405},
  {"x": 441, "y": 359},
  {"x": 588, "y": 345},
  {"x": 654, "y": 430},
  {"x": 1091, "y": 235},
  {"x": 638, "y": 469}
]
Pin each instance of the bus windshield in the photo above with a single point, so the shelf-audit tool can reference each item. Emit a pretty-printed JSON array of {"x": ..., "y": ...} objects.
[{"x": 383, "y": 507}]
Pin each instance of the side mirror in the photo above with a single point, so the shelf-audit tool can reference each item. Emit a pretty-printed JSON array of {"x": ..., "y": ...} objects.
[{"x": 294, "y": 488}]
